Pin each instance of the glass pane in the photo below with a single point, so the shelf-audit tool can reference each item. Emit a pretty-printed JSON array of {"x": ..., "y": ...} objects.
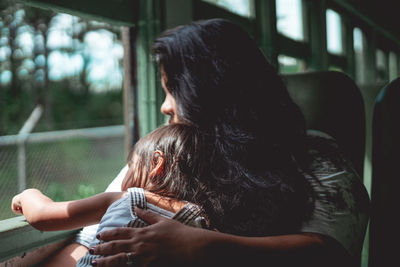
[
  {"x": 393, "y": 68},
  {"x": 334, "y": 32},
  {"x": 243, "y": 8},
  {"x": 289, "y": 17},
  {"x": 73, "y": 68},
  {"x": 359, "y": 55},
  {"x": 335, "y": 68},
  {"x": 290, "y": 64},
  {"x": 358, "y": 37},
  {"x": 381, "y": 65}
]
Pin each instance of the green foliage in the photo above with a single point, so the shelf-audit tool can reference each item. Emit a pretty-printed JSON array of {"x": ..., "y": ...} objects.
[
  {"x": 70, "y": 110},
  {"x": 74, "y": 109},
  {"x": 13, "y": 116},
  {"x": 64, "y": 170},
  {"x": 85, "y": 191},
  {"x": 56, "y": 192},
  {"x": 68, "y": 103}
]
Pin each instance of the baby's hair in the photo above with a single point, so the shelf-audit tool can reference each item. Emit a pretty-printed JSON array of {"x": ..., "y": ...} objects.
[{"x": 183, "y": 148}]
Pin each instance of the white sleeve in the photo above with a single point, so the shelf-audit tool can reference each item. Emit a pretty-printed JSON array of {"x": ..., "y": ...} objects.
[
  {"x": 115, "y": 185},
  {"x": 88, "y": 233}
]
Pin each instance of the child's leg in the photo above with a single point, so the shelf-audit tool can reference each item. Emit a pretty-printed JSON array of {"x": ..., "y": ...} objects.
[{"x": 67, "y": 256}]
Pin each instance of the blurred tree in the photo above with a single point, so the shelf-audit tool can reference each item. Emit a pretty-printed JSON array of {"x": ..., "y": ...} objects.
[
  {"x": 34, "y": 43},
  {"x": 40, "y": 21},
  {"x": 12, "y": 57}
]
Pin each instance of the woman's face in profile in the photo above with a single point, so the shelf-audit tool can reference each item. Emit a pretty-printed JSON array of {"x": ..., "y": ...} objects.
[{"x": 169, "y": 106}]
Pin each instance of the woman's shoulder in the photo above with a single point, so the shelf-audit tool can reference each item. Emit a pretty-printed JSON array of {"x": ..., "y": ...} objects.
[
  {"x": 326, "y": 157},
  {"x": 342, "y": 202}
]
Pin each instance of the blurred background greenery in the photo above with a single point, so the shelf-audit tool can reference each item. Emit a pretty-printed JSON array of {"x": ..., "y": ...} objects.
[{"x": 72, "y": 67}]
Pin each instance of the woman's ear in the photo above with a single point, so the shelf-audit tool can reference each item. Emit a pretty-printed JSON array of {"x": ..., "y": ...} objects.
[{"x": 157, "y": 163}]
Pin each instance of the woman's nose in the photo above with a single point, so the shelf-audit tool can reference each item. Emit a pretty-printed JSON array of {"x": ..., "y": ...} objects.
[{"x": 166, "y": 107}]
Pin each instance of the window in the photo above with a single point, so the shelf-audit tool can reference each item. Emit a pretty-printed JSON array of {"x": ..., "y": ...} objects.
[
  {"x": 381, "y": 66},
  {"x": 289, "y": 15},
  {"x": 393, "y": 67},
  {"x": 334, "y": 32},
  {"x": 290, "y": 64},
  {"x": 244, "y": 8},
  {"x": 73, "y": 68},
  {"x": 359, "y": 55},
  {"x": 335, "y": 68}
]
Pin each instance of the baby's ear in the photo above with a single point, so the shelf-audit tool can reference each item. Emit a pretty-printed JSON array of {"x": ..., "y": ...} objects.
[{"x": 157, "y": 161}]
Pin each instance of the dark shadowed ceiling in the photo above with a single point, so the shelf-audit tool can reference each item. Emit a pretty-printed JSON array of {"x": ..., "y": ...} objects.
[{"x": 384, "y": 12}]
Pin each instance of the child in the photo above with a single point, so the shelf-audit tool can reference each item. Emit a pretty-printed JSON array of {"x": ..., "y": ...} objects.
[{"x": 161, "y": 163}]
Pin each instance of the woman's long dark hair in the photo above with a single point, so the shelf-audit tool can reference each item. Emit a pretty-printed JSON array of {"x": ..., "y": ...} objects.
[{"x": 223, "y": 84}]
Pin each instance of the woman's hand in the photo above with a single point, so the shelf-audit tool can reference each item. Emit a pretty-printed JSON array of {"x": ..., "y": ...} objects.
[
  {"x": 164, "y": 241},
  {"x": 168, "y": 242}
]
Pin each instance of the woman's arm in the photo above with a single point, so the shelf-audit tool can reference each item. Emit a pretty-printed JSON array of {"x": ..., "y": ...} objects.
[
  {"x": 169, "y": 241},
  {"x": 46, "y": 215}
]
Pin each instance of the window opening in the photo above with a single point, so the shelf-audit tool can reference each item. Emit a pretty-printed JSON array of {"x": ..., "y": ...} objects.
[
  {"x": 334, "y": 32},
  {"x": 359, "y": 55},
  {"x": 381, "y": 66},
  {"x": 335, "y": 68},
  {"x": 72, "y": 67},
  {"x": 290, "y": 64},
  {"x": 289, "y": 15},
  {"x": 393, "y": 67}
]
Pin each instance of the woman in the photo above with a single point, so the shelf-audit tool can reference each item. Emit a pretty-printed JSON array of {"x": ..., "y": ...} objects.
[{"x": 215, "y": 77}]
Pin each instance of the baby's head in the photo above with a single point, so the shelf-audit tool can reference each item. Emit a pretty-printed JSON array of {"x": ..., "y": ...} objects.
[{"x": 167, "y": 160}]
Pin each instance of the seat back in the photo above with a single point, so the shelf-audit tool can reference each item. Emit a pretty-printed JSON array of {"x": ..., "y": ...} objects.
[
  {"x": 385, "y": 200},
  {"x": 332, "y": 103}
]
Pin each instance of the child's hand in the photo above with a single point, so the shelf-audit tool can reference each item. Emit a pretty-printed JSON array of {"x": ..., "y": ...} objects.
[
  {"x": 31, "y": 194},
  {"x": 16, "y": 204}
]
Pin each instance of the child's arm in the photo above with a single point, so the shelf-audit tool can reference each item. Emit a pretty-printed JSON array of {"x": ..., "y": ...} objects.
[{"x": 46, "y": 215}]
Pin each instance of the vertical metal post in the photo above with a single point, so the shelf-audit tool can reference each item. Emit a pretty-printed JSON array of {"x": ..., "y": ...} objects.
[
  {"x": 387, "y": 66},
  {"x": 317, "y": 35},
  {"x": 370, "y": 68},
  {"x": 23, "y": 137},
  {"x": 148, "y": 81},
  {"x": 348, "y": 37},
  {"x": 267, "y": 35},
  {"x": 129, "y": 35},
  {"x": 21, "y": 166}
]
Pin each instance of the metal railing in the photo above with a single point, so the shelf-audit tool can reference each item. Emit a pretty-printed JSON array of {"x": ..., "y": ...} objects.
[
  {"x": 24, "y": 136},
  {"x": 69, "y": 158},
  {"x": 21, "y": 139},
  {"x": 23, "y": 245},
  {"x": 65, "y": 165}
]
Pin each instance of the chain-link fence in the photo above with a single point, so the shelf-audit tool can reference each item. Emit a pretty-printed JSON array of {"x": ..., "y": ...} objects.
[{"x": 64, "y": 165}]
